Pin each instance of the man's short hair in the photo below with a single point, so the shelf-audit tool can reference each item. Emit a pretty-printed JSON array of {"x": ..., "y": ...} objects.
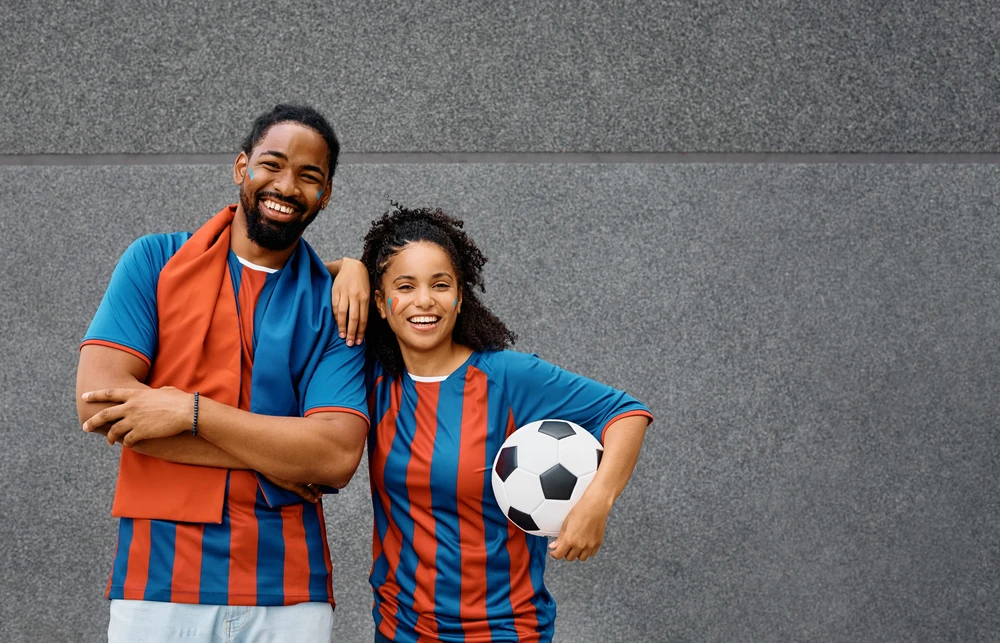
[{"x": 301, "y": 114}]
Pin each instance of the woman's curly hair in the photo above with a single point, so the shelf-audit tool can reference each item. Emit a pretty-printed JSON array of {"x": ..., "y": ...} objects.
[{"x": 476, "y": 327}]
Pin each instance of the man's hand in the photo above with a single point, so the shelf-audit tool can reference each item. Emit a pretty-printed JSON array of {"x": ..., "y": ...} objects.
[
  {"x": 308, "y": 492},
  {"x": 140, "y": 414},
  {"x": 351, "y": 291}
]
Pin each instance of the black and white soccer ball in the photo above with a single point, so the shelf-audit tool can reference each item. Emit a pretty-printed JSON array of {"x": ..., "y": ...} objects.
[{"x": 541, "y": 471}]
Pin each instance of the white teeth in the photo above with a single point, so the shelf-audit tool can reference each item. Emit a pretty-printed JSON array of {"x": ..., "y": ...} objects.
[
  {"x": 423, "y": 320},
  {"x": 276, "y": 206}
]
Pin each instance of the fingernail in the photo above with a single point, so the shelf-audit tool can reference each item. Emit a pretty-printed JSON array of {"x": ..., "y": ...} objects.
[
  {"x": 350, "y": 342},
  {"x": 85, "y": 427},
  {"x": 86, "y": 396},
  {"x": 343, "y": 334}
]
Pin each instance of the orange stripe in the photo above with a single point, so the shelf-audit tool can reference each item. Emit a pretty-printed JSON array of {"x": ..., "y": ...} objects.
[
  {"x": 521, "y": 588},
  {"x": 138, "y": 561},
  {"x": 626, "y": 414},
  {"x": 326, "y": 553},
  {"x": 243, "y": 538},
  {"x": 293, "y": 532},
  {"x": 130, "y": 351},
  {"x": 385, "y": 432},
  {"x": 418, "y": 488},
  {"x": 185, "y": 585},
  {"x": 471, "y": 527},
  {"x": 251, "y": 283}
]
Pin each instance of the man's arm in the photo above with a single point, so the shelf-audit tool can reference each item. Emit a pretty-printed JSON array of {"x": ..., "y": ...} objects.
[
  {"x": 102, "y": 367},
  {"x": 324, "y": 448}
]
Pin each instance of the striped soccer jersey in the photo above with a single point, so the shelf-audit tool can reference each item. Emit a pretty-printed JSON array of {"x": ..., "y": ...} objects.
[
  {"x": 259, "y": 554},
  {"x": 447, "y": 563}
]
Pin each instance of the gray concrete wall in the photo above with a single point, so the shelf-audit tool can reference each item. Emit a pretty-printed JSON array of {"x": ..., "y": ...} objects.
[{"x": 818, "y": 341}]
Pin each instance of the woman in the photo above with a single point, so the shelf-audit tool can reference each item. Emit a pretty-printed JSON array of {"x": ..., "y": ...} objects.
[{"x": 443, "y": 397}]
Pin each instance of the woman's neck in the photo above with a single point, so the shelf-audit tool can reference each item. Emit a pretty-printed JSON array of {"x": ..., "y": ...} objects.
[{"x": 441, "y": 361}]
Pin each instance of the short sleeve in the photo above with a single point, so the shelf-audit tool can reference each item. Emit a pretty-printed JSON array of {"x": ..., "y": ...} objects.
[
  {"x": 127, "y": 318},
  {"x": 338, "y": 383},
  {"x": 538, "y": 390}
]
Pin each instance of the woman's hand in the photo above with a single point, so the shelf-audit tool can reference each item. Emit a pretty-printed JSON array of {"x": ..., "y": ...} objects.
[
  {"x": 141, "y": 414},
  {"x": 582, "y": 532},
  {"x": 351, "y": 291}
]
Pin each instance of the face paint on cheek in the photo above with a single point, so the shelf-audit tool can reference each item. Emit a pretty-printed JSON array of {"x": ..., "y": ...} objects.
[
  {"x": 389, "y": 305},
  {"x": 250, "y": 173},
  {"x": 320, "y": 195},
  {"x": 456, "y": 302}
]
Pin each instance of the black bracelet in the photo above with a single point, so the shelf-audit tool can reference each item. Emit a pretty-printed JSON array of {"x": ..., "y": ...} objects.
[{"x": 194, "y": 424}]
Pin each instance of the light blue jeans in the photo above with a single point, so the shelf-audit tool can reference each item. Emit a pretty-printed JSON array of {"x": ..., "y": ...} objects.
[{"x": 142, "y": 621}]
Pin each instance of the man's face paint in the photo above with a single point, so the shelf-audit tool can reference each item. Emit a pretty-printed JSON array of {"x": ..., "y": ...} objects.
[{"x": 250, "y": 173}]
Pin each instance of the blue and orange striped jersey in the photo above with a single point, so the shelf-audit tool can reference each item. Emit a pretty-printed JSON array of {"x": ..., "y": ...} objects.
[
  {"x": 447, "y": 564},
  {"x": 263, "y": 552}
]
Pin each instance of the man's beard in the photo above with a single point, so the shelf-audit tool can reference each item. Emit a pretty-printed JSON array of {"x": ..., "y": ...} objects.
[{"x": 270, "y": 234}]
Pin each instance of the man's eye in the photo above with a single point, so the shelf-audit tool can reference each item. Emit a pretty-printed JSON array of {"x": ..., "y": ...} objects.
[{"x": 271, "y": 165}]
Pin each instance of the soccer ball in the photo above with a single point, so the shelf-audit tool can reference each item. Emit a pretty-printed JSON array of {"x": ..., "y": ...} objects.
[{"x": 541, "y": 471}]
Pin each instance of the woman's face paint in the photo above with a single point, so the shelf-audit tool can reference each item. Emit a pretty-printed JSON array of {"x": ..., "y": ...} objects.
[
  {"x": 389, "y": 305},
  {"x": 456, "y": 302}
]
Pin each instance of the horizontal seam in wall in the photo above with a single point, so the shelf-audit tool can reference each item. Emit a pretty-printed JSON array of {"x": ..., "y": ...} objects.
[{"x": 500, "y": 158}]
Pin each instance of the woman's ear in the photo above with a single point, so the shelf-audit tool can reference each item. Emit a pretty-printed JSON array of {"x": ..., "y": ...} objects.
[{"x": 380, "y": 303}]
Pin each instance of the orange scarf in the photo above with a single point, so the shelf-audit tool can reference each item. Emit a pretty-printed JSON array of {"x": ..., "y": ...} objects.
[{"x": 198, "y": 349}]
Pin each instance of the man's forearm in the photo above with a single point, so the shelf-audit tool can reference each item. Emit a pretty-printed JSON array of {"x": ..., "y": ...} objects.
[
  {"x": 292, "y": 448},
  {"x": 189, "y": 449}
]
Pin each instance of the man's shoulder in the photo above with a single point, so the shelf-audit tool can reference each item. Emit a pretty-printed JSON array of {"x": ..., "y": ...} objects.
[{"x": 154, "y": 250}]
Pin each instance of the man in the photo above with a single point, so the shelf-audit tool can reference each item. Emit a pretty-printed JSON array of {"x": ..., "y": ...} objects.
[{"x": 214, "y": 360}]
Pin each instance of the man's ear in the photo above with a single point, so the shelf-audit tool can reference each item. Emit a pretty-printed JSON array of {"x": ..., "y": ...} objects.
[
  {"x": 240, "y": 168},
  {"x": 325, "y": 200},
  {"x": 380, "y": 303}
]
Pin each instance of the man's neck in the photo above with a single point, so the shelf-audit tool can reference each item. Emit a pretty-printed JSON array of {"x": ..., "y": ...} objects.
[{"x": 239, "y": 242}]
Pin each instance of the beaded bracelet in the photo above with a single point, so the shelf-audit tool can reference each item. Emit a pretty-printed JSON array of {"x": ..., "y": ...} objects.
[{"x": 194, "y": 424}]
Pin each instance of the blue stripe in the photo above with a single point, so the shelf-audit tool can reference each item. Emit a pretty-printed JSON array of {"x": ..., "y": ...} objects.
[
  {"x": 214, "y": 588},
  {"x": 444, "y": 474},
  {"x": 498, "y": 605},
  {"x": 399, "y": 508},
  {"x": 315, "y": 536},
  {"x": 162, "y": 541},
  {"x": 270, "y": 553},
  {"x": 120, "y": 567}
]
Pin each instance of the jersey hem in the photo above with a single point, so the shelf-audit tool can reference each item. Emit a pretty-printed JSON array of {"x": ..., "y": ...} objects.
[
  {"x": 623, "y": 415},
  {"x": 213, "y": 598},
  {"x": 116, "y": 345},
  {"x": 336, "y": 409}
]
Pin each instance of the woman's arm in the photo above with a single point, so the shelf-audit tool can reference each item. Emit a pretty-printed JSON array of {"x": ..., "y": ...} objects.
[
  {"x": 351, "y": 290},
  {"x": 582, "y": 532}
]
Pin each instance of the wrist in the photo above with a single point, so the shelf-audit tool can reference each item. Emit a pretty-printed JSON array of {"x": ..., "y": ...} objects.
[{"x": 194, "y": 414}]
